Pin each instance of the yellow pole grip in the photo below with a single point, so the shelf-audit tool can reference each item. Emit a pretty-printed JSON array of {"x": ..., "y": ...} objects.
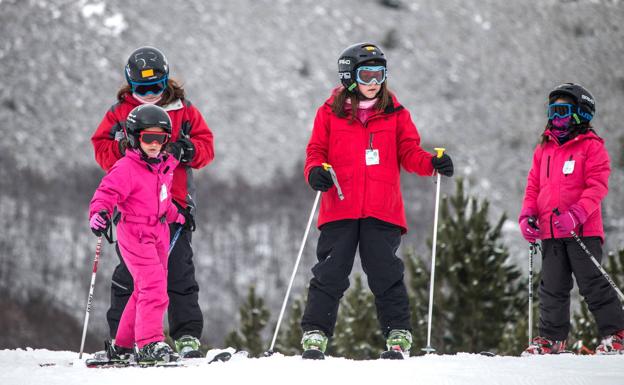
[
  {"x": 326, "y": 166},
  {"x": 440, "y": 151}
]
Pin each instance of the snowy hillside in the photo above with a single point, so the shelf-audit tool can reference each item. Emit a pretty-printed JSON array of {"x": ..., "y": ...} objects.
[{"x": 24, "y": 367}]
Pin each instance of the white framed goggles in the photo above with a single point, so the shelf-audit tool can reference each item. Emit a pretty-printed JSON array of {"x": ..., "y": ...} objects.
[{"x": 370, "y": 74}]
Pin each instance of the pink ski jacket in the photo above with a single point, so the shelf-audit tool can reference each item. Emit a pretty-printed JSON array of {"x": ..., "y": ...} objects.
[
  {"x": 141, "y": 191},
  {"x": 575, "y": 173}
]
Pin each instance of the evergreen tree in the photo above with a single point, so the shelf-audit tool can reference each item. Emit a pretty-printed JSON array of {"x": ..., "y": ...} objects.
[
  {"x": 478, "y": 292},
  {"x": 253, "y": 318},
  {"x": 357, "y": 334}
]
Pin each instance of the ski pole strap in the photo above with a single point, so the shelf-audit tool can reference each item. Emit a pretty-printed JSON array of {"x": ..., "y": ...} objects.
[{"x": 328, "y": 167}]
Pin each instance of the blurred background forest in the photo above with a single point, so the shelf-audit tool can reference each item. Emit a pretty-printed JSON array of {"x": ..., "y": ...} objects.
[{"x": 474, "y": 74}]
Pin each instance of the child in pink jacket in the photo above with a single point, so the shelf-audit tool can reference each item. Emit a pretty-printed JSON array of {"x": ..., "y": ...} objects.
[
  {"x": 570, "y": 172},
  {"x": 139, "y": 184}
]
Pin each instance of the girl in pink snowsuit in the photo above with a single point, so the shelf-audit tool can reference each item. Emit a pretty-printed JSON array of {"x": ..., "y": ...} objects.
[
  {"x": 139, "y": 184},
  {"x": 565, "y": 187}
]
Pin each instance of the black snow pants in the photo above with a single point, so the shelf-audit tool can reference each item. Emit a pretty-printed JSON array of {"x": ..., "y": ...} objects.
[
  {"x": 378, "y": 242},
  {"x": 185, "y": 316},
  {"x": 561, "y": 258}
]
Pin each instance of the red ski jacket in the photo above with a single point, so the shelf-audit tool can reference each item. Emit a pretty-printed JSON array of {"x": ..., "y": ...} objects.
[
  {"x": 575, "y": 173},
  {"x": 184, "y": 118},
  {"x": 372, "y": 190}
]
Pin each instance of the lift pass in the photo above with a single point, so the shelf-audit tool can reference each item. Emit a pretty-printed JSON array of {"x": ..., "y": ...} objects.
[
  {"x": 163, "y": 192},
  {"x": 568, "y": 167},
  {"x": 372, "y": 157}
]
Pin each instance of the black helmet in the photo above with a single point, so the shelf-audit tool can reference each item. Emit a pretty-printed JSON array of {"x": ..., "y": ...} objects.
[
  {"x": 147, "y": 65},
  {"x": 583, "y": 99},
  {"x": 142, "y": 117},
  {"x": 353, "y": 57}
]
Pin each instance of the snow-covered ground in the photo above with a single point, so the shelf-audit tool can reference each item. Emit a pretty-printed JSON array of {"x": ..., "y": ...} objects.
[{"x": 53, "y": 367}]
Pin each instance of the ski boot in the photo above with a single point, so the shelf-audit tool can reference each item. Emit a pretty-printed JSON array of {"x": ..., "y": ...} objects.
[
  {"x": 613, "y": 344},
  {"x": 399, "y": 342},
  {"x": 188, "y": 347},
  {"x": 314, "y": 343},
  {"x": 541, "y": 345},
  {"x": 112, "y": 355},
  {"x": 156, "y": 353}
]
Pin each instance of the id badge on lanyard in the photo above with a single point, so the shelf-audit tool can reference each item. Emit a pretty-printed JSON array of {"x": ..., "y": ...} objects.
[{"x": 372, "y": 154}]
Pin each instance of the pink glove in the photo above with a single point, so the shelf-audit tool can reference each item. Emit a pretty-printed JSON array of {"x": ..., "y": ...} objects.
[
  {"x": 529, "y": 232},
  {"x": 180, "y": 219},
  {"x": 570, "y": 220},
  {"x": 99, "y": 222}
]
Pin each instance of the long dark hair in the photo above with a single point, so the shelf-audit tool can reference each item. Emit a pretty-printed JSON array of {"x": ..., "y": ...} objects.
[
  {"x": 338, "y": 106},
  {"x": 174, "y": 91}
]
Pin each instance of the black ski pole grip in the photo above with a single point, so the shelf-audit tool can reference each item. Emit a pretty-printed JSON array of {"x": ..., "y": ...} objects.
[
  {"x": 533, "y": 223},
  {"x": 556, "y": 211}
]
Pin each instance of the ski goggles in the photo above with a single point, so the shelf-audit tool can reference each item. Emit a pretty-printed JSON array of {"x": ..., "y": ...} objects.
[
  {"x": 560, "y": 110},
  {"x": 370, "y": 74},
  {"x": 153, "y": 88},
  {"x": 150, "y": 137}
]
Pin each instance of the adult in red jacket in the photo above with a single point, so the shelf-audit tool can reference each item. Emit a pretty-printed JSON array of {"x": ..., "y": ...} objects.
[
  {"x": 366, "y": 135},
  {"x": 147, "y": 74},
  {"x": 570, "y": 172}
]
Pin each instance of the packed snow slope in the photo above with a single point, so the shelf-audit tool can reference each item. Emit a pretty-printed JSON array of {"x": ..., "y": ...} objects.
[{"x": 56, "y": 367}]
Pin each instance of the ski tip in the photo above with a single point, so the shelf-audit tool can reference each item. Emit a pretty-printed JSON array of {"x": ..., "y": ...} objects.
[{"x": 487, "y": 354}]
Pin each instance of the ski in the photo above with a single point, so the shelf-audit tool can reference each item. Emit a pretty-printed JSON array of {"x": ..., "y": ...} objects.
[
  {"x": 215, "y": 355},
  {"x": 313, "y": 354}
]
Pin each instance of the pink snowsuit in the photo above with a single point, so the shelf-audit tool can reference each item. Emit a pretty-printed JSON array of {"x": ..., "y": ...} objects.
[
  {"x": 585, "y": 184},
  {"x": 142, "y": 193}
]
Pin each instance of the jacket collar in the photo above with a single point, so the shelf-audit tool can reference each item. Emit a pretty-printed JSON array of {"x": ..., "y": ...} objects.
[
  {"x": 392, "y": 107},
  {"x": 589, "y": 135}
]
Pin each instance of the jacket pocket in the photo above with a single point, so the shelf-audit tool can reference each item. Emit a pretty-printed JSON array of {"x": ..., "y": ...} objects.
[{"x": 383, "y": 188}]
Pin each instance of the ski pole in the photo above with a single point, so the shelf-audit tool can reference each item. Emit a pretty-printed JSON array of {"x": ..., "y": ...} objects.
[
  {"x": 532, "y": 250},
  {"x": 294, "y": 272},
  {"x": 329, "y": 168},
  {"x": 175, "y": 239},
  {"x": 98, "y": 248},
  {"x": 429, "y": 348},
  {"x": 593, "y": 259}
]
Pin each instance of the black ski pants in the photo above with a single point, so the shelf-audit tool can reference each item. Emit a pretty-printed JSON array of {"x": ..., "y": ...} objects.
[
  {"x": 563, "y": 257},
  {"x": 185, "y": 316},
  {"x": 378, "y": 242}
]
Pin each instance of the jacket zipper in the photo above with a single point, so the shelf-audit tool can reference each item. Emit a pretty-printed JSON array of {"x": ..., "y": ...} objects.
[{"x": 548, "y": 167}]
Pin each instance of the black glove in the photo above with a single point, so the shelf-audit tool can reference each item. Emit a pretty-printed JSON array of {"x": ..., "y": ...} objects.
[
  {"x": 182, "y": 149},
  {"x": 189, "y": 221},
  {"x": 443, "y": 165},
  {"x": 320, "y": 179}
]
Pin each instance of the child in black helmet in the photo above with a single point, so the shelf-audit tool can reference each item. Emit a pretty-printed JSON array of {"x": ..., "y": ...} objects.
[
  {"x": 366, "y": 135},
  {"x": 565, "y": 187}
]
